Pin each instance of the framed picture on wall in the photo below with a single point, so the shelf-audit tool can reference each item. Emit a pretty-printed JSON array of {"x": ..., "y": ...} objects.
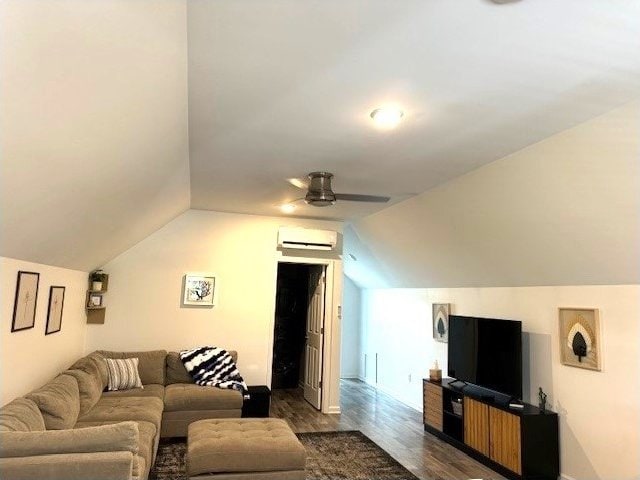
[
  {"x": 199, "y": 289},
  {"x": 580, "y": 338},
  {"x": 24, "y": 307},
  {"x": 440, "y": 315},
  {"x": 54, "y": 312}
]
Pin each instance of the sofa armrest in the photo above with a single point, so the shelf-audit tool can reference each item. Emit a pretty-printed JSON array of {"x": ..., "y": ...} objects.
[
  {"x": 119, "y": 437},
  {"x": 69, "y": 466}
]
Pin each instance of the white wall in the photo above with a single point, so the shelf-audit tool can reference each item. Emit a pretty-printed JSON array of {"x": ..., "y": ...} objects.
[
  {"x": 561, "y": 212},
  {"x": 599, "y": 411},
  {"x": 143, "y": 309},
  {"x": 28, "y": 358},
  {"x": 94, "y": 119},
  {"x": 350, "y": 339}
]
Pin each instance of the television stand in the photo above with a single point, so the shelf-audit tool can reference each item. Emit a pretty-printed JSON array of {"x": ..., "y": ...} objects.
[{"x": 519, "y": 443}]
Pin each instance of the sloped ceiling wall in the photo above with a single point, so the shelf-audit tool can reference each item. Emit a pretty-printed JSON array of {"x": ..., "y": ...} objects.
[
  {"x": 564, "y": 211},
  {"x": 94, "y": 126}
]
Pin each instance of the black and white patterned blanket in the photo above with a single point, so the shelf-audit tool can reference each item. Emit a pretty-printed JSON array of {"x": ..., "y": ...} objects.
[{"x": 213, "y": 366}]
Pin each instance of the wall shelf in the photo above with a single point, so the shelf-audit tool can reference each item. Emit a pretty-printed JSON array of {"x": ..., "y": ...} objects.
[{"x": 96, "y": 313}]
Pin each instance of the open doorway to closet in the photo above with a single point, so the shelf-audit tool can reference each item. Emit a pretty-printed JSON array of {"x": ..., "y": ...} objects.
[{"x": 299, "y": 329}]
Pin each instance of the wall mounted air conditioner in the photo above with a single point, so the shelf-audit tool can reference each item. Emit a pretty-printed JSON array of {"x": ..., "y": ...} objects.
[{"x": 307, "y": 239}]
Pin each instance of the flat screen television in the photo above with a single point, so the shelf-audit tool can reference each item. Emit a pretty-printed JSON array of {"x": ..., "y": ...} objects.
[{"x": 486, "y": 352}]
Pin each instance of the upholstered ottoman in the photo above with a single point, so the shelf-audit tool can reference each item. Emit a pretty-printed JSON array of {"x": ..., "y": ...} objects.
[{"x": 244, "y": 449}]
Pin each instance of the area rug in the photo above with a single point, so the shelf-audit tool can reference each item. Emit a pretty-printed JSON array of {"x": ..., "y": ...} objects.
[{"x": 347, "y": 455}]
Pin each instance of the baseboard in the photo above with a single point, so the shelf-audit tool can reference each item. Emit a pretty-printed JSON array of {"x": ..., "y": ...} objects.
[
  {"x": 566, "y": 477},
  {"x": 334, "y": 410},
  {"x": 349, "y": 377}
]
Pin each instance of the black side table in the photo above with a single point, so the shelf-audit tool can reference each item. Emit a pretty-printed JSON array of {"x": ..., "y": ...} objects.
[{"x": 258, "y": 403}]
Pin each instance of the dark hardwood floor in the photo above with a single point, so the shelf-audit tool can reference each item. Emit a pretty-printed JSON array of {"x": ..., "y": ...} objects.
[{"x": 391, "y": 424}]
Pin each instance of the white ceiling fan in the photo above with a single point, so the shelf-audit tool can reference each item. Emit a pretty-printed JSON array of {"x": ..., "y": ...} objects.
[{"x": 320, "y": 194}]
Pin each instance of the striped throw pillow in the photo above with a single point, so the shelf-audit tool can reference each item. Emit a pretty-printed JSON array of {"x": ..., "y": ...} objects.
[{"x": 123, "y": 373}]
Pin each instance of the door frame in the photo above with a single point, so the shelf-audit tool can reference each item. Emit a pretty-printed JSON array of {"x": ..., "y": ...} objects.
[{"x": 330, "y": 397}]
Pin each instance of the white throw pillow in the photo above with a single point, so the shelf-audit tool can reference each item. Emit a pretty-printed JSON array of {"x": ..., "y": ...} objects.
[{"x": 123, "y": 374}]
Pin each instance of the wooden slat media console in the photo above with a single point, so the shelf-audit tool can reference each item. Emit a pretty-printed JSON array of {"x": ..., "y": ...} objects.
[{"x": 521, "y": 444}]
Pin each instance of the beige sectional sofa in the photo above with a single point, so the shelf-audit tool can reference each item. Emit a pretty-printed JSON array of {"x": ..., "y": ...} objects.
[{"x": 70, "y": 428}]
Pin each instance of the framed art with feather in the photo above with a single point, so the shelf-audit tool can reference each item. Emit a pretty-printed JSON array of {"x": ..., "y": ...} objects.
[
  {"x": 580, "y": 338},
  {"x": 440, "y": 316}
]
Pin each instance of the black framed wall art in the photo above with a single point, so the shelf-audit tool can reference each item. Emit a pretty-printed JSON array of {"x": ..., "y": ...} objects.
[
  {"x": 24, "y": 307},
  {"x": 55, "y": 309}
]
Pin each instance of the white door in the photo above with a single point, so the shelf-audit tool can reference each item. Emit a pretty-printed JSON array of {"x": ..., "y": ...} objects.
[{"x": 313, "y": 340}]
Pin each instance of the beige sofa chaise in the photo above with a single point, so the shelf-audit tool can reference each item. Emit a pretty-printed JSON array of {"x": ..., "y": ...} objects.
[{"x": 70, "y": 428}]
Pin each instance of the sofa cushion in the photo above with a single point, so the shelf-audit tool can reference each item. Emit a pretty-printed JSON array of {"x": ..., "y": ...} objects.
[
  {"x": 123, "y": 436},
  {"x": 66, "y": 466},
  {"x": 147, "y": 436},
  {"x": 176, "y": 424},
  {"x": 151, "y": 364},
  {"x": 21, "y": 415},
  {"x": 89, "y": 386},
  {"x": 59, "y": 402},
  {"x": 91, "y": 360},
  {"x": 176, "y": 373},
  {"x": 151, "y": 390},
  {"x": 147, "y": 409},
  {"x": 139, "y": 468},
  {"x": 182, "y": 396},
  {"x": 246, "y": 445}
]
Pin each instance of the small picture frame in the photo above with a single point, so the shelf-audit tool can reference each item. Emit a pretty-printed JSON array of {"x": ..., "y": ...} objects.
[
  {"x": 24, "y": 306},
  {"x": 95, "y": 300},
  {"x": 580, "y": 340},
  {"x": 55, "y": 309},
  {"x": 199, "y": 289},
  {"x": 440, "y": 316}
]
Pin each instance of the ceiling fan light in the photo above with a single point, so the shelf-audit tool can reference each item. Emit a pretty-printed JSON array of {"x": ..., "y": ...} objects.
[
  {"x": 296, "y": 182},
  {"x": 320, "y": 201},
  {"x": 320, "y": 193},
  {"x": 387, "y": 117}
]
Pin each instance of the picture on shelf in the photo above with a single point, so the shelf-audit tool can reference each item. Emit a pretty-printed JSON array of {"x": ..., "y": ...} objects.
[
  {"x": 54, "y": 312},
  {"x": 95, "y": 300},
  {"x": 24, "y": 307},
  {"x": 440, "y": 315},
  {"x": 199, "y": 289},
  {"x": 580, "y": 338}
]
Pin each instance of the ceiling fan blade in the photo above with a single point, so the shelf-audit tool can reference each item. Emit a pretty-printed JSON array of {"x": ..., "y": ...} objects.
[
  {"x": 354, "y": 197},
  {"x": 298, "y": 183}
]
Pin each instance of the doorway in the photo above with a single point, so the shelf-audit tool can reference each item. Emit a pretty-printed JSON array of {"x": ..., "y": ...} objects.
[{"x": 299, "y": 329}]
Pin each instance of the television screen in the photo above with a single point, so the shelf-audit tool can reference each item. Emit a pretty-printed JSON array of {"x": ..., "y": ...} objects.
[{"x": 486, "y": 352}]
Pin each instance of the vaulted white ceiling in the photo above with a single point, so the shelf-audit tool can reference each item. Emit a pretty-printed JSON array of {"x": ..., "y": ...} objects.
[
  {"x": 118, "y": 115},
  {"x": 281, "y": 88}
]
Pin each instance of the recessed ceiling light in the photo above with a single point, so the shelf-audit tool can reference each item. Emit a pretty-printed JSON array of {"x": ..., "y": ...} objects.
[
  {"x": 287, "y": 208},
  {"x": 387, "y": 117}
]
